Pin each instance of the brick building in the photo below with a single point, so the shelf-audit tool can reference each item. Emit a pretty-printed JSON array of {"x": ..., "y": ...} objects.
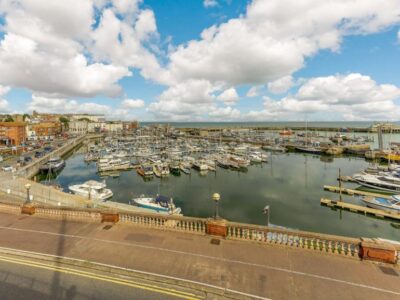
[
  {"x": 12, "y": 133},
  {"x": 47, "y": 130}
]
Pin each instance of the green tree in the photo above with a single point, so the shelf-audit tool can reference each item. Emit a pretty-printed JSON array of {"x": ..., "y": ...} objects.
[
  {"x": 9, "y": 119},
  {"x": 25, "y": 116},
  {"x": 65, "y": 121}
]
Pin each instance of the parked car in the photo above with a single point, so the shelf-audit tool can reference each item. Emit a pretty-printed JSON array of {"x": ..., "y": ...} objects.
[
  {"x": 28, "y": 159},
  {"x": 7, "y": 168},
  {"x": 38, "y": 154},
  {"x": 48, "y": 149}
]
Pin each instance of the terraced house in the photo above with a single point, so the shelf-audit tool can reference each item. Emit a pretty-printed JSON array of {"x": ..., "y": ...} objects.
[{"x": 12, "y": 133}]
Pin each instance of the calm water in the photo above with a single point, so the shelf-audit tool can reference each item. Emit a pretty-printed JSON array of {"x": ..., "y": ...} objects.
[{"x": 292, "y": 184}]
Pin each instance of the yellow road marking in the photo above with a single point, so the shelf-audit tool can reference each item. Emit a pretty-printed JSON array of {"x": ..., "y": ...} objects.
[{"x": 143, "y": 286}]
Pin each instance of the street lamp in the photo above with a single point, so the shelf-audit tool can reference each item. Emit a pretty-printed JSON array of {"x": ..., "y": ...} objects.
[
  {"x": 27, "y": 186},
  {"x": 266, "y": 213},
  {"x": 216, "y": 198}
]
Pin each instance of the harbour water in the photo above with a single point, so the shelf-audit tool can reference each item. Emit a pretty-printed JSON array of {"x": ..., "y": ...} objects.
[{"x": 291, "y": 184}]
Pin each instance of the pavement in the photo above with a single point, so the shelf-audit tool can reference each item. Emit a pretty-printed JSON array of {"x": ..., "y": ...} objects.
[{"x": 266, "y": 271}]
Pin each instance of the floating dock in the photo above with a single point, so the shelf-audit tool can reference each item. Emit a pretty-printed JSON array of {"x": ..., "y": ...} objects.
[
  {"x": 360, "y": 209},
  {"x": 351, "y": 192}
]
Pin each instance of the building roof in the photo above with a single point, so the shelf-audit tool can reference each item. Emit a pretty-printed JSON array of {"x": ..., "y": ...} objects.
[{"x": 13, "y": 124}]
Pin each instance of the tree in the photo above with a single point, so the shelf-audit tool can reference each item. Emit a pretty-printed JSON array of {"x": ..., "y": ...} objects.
[
  {"x": 65, "y": 121},
  {"x": 84, "y": 119},
  {"x": 25, "y": 116},
  {"x": 9, "y": 119}
]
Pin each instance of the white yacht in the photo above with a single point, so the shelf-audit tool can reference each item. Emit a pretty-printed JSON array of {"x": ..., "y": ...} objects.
[
  {"x": 92, "y": 190},
  {"x": 113, "y": 165},
  {"x": 377, "y": 182},
  {"x": 160, "y": 204}
]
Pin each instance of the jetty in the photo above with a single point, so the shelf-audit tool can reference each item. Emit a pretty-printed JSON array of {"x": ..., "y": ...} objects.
[
  {"x": 351, "y": 192},
  {"x": 360, "y": 209}
]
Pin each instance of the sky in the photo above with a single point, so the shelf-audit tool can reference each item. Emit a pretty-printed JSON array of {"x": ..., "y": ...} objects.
[{"x": 202, "y": 60}]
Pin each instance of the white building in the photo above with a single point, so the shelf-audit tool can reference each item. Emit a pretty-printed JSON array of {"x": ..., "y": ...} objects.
[
  {"x": 114, "y": 127},
  {"x": 96, "y": 127},
  {"x": 91, "y": 118},
  {"x": 78, "y": 127}
]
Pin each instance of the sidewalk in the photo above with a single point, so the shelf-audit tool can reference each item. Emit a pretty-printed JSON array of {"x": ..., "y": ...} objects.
[{"x": 267, "y": 271}]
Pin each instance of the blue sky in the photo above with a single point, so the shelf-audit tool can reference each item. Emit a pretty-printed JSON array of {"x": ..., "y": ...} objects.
[{"x": 182, "y": 60}]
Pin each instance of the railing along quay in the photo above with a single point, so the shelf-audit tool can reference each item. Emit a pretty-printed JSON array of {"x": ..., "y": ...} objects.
[
  {"x": 298, "y": 239},
  {"x": 186, "y": 224}
]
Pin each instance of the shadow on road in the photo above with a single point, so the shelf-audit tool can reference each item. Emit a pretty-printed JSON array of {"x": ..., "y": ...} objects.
[{"x": 57, "y": 291}]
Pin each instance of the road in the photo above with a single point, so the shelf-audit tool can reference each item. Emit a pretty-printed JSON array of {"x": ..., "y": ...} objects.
[
  {"x": 12, "y": 160},
  {"x": 274, "y": 272},
  {"x": 22, "y": 278}
]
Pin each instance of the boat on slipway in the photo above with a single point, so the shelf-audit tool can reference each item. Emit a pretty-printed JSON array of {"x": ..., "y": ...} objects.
[{"x": 160, "y": 204}]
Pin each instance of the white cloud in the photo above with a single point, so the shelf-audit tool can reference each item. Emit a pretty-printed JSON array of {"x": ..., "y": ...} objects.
[
  {"x": 4, "y": 108},
  {"x": 253, "y": 92},
  {"x": 57, "y": 48},
  {"x": 210, "y": 3},
  {"x": 61, "y": 105},
  {"x": 224, "y": 114},
  {"x": 229, "y": 96},
  {"x": 350, "y": 97},
  {"x": 184, "y": 101},
  {"x": 132, "y": 103},
  {"x": 281, "y": 85},
  {"x": 282, "y": 33}
]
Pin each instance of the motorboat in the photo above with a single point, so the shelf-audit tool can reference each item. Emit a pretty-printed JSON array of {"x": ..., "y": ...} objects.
[
  {"x": 185, "y": 167},
  {"x": 223, "y": 163},
  {"x": 114, "y": 164},
  {"x": 93, "y": 190},
  {"x": 391, "y": 204},
  {"x": 53, "y": 165},
  {"x": 160, "y": 204},
  {"x": 145, "y": 170},
  {"x": 161, "y": 170},
  {"x": 376, "y": 182},
  {"x": 200, "y": 166},
  {"x": 309, "y": 149},
  {"x": 274, "y": 148},
  {"x": 175, "y": 169},
  {"x": 240, "y": 161}
]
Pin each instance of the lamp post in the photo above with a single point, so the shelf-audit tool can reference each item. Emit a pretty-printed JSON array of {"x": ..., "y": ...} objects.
[
  {"x": 216, "y": 198},
  {"x": 27, "y": 186},
  {"x": 266, "y": 213}
]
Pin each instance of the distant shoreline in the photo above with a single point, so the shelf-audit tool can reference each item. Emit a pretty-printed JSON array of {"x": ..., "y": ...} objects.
[{"x": 318, "y": 124}]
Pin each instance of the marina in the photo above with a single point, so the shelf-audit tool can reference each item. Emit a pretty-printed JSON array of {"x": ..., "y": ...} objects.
[{"x": 247, "y": 176}]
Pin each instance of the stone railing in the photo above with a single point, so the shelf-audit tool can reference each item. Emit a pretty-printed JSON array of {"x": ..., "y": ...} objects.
[
  {"x": 176, "y": 223},
  {"x": 297, "y": 239},
  {"x": 67, "y": 214}
]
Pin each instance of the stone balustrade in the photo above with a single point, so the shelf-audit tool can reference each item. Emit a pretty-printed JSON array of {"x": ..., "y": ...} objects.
[
  {"x": 324, "y": 243},
  {"x": 186, "y": 224},
  {"x": 66, "y": 214}
]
